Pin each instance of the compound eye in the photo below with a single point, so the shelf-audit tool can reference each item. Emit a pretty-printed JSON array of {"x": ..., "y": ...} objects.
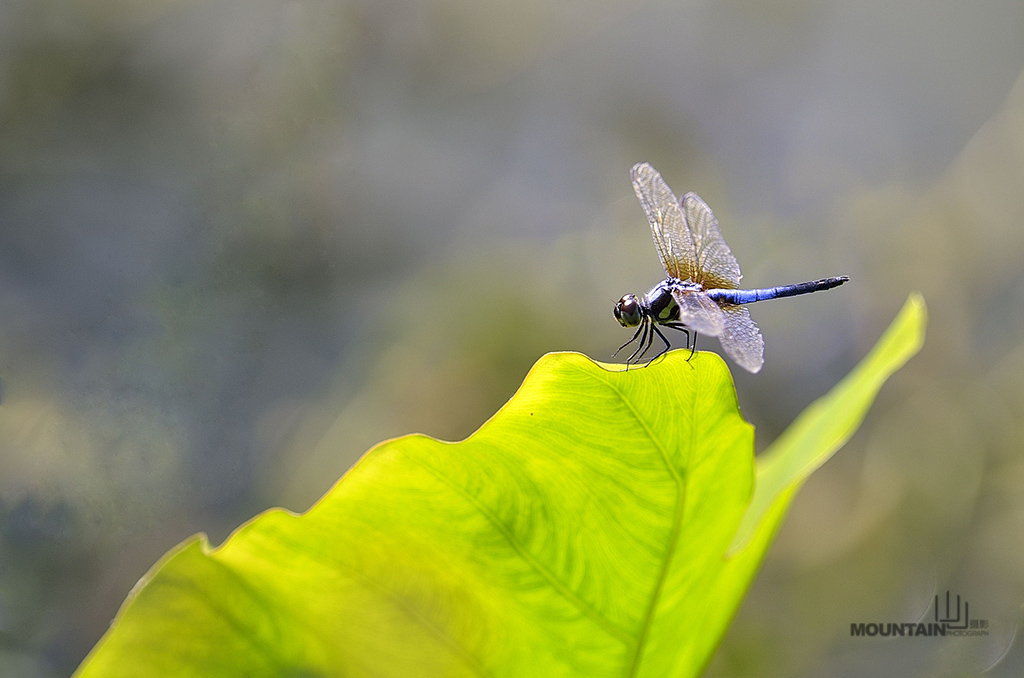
[{"x": 627, "y": 311}]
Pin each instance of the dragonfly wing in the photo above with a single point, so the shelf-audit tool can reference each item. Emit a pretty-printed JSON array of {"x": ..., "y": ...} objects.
[
  {"x": 741, "y": 339},
  {"x": 716, "y": 267},
  {"x": 668, "y": 226},
  {"x": 699, "y": 312}
]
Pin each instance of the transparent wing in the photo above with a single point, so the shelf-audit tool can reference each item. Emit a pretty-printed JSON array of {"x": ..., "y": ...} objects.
[
  {"x": 741, "y": 339},
  {"x": 671, "y": 236},
  {"x": 699, "y": 312},
  {"x": 716, "y": 266}
]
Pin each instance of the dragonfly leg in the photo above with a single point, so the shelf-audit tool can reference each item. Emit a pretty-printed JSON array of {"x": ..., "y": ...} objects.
[
  {"x": 683, "y": 328},
  {"x": 650, "y": 340},
  {"x": 640, "y": 348},
  {"x": 680, "y": 328},
  {"x": 631, "y": 340},
  {"x": 662, "y": 337}
]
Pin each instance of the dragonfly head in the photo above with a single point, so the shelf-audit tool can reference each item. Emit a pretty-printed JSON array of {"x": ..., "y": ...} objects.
[{"x": 627, "y": 311}]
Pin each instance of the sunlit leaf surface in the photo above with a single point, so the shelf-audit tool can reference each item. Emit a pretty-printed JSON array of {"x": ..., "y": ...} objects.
[{"x": 582, "y": 531}]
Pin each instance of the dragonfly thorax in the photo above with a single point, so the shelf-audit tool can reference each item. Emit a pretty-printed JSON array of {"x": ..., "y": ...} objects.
[{"x": 659, "y": 302}]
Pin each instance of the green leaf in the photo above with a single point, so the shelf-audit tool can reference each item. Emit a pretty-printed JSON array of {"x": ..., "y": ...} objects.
[{"x": 581, "y": 531}]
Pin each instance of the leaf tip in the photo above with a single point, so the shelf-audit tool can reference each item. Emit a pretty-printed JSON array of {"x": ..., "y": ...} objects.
[{"x": 916, "y": 312}]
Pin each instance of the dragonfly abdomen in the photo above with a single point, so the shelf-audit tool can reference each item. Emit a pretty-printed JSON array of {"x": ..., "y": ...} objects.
[{"x": 736, "y": 297}]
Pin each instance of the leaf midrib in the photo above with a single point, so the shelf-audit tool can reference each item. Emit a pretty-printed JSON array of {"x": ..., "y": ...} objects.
[{"x": 677, "y": 520}]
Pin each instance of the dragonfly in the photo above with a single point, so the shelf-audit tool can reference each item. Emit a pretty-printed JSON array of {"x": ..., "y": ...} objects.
[{"x": 701, "y": 294}]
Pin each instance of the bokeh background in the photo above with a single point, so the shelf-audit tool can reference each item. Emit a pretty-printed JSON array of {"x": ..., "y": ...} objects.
[{"x": 241, "y": 241}]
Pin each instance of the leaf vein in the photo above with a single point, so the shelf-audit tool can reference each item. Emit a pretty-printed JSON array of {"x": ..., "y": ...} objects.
[
  {"x": 379, "y": 589},
  {"x": 532, "y": 561}
]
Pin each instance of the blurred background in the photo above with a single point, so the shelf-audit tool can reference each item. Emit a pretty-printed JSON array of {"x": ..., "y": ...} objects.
[{"x": 241, "y": 242}]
